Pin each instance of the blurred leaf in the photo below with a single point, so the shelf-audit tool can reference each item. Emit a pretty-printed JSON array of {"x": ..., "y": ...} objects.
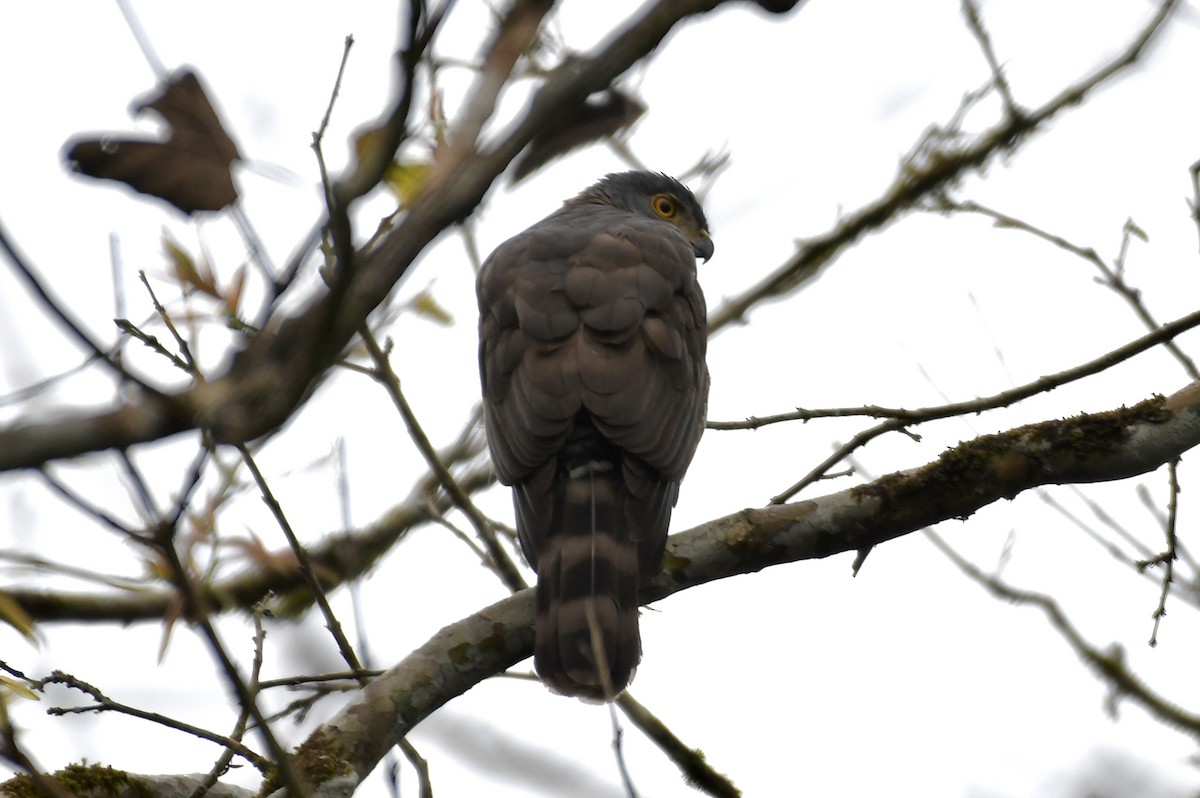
[
  {"x": 190, "y": 169},
  {"x": 182, "y": 265},
  {"x": 282, "y": 561},
  {"x": 405, "y": 180},
  {"x": 367, "y": 142},
  {"x": 13, "y": 614},
  {"x": 232, "y": 295},
  {"x": 156, "y": 568},
  {"x": 291, "y": 604},
  {"x": 424, "y": 305},
  {"x": 18, "y": 687},
  {"x": 186, "y": 270},
  {"x": 173, "y": 611}
]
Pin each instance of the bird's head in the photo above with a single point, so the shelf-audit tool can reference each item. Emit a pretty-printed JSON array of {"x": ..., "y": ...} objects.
[{"x": 659, "y": 197}]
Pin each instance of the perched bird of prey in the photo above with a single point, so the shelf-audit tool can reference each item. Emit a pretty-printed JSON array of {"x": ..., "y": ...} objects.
[{"x": 592, "y": 336}]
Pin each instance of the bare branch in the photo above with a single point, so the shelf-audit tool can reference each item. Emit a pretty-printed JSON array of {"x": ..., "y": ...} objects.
[
  {"x": 899, "y": 419},
  {"x": 337, "y": 87},
  {"x": 1086, "y": 448},
  {"x": 56, "y": 309},
  {"x": 338, "y": 558},
  {"x": 1112, "y": 276},
  {"x": 691, "y": 761},
  {"x": 275, "y": 372},
  {"x": 925, "y": 173},
  {"x": 425, "y": 790},
  {"x": 1161, "y": 334},
  {"x": 184, "y": 349},
  {"x": 499, "y": 560},
  {"x": 1108, "y": 665},
  {"x": 303, "y": 562},
  {"x": 975, "y": 24},
  {"x": 100, "y": 781},
  {"x": 106, "y": 704},
  {"x": 1167, "y": 558}
]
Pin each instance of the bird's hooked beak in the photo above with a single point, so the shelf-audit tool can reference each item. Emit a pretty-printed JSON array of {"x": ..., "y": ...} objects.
[{"x": 703, "y": 247}]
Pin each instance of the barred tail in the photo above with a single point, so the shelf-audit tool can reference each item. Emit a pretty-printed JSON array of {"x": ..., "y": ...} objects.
[{"x": 587, "y": 641}]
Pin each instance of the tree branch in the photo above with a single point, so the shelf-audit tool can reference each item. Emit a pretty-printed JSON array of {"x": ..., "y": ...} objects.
[
  {"x": 1087, "y": 448},
  {"x": 338, "y": 557},
  {"x": 275, "y": 373},
  {"x": 934, "y": 163}
]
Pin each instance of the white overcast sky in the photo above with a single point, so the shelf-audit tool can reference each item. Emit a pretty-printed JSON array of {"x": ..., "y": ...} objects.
[{"x": 907, "y": 680}]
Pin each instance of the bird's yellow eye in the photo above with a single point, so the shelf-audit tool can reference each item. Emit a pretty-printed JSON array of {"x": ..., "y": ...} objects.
[{"x": 664, "y": 205}]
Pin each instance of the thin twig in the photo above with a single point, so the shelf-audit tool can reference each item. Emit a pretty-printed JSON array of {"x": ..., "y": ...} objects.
[
  {"x": 239, "y": 728},
  {"x": 303, "y": 562},
  {"x": 975, "y": 24},
  {"x": 180, "y": 341},
  {"x": 691, "y": 761},
  {"x": 347, "y": 44},
  {"x": 141, "y": 488},
  {"x": 923, "y": 174},
  {"x": 104, "y": 703},
  {"x": 195, "y": 605},
  {"x": 337, "y": 225},
  {"x": 902, "y": 416},
  {"x": 1105, "y": 518},
  {"x": 143, "y": 41},
  {"x": 839, "y": 454},
  {"x": 56, "y": 309},
  {"x": 1112, "y": 276},
  {"x": 152, "y": 342},
  {"x": 1108, "y": 665},
  {"x": 476, "y": 549},
  {"x": 317, "y": 678},
  {"x": 898, "y": 418},
  {"x": 254, "y": 244},
  {"x": 1167, "y": 558},
  {"x": 87, "y": 507},
  {"x": 617, "y": 732},
  {"x": 341, "y": 558},
  {"x": 386, "y": 376},
  {"x": 425, "y": 788}
]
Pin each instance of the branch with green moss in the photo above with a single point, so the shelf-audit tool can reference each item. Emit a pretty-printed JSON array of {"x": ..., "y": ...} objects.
[{"x": 101, "y": 781}]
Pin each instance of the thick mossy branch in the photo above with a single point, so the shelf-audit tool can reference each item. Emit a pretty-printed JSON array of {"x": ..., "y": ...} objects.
[
  {"x": 1085, "y": 448},
  {"x": 100, "y": 781},
  {"x": 84, "y": 781},
  {"x": 319, "y": 759},
  {"x": 1009, "y": 462}
]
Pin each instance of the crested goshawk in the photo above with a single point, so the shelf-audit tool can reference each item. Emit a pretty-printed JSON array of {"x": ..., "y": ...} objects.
[{"x": 592, "y": 339}]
